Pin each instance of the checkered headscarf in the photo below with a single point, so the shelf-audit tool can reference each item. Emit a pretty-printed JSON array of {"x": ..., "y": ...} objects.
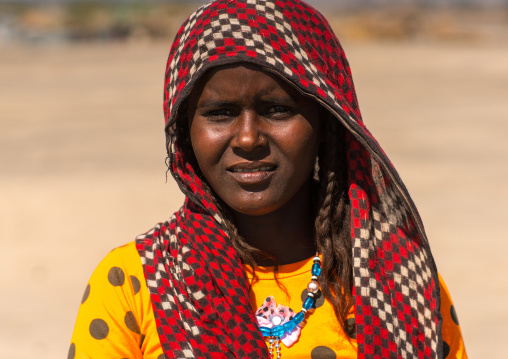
[{"x": 196, "y": 281}]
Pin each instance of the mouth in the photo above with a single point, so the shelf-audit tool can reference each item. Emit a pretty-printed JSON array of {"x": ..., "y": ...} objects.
[
  {"x": 253, "y": 170},
  {"x": 252, "y": 173}
]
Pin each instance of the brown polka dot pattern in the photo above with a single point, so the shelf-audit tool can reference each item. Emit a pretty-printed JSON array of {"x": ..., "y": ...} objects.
[
  {"x": 453, "y": 314},
  {"x": 322, "y": 352},
  {"x": 130, "y": 322},
  {"x": 446, "y": 349},
  {"x": 162, "y": 356},
  {"x": 99, "y": 329},
  {"x": 86, "y": 294},
  {"x": 72, "y": 351},
  {"x": 116, "y": 276},
  {"x": 319, "y": 298},
  {"x": 141, "y": 341},
  {"x": 135, "y": 284}
]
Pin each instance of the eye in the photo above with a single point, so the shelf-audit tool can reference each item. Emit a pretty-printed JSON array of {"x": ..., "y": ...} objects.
[
  {"x": 219, "y": 114},
  {"x": 278, "y": 110}
]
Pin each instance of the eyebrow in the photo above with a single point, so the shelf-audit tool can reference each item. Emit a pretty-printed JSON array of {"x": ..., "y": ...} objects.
[
  {"x": 213, "y": 103},
  {"x": 220, "y": 103}
]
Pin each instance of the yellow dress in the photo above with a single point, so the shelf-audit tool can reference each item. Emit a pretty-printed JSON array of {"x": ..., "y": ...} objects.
[{"x": 115, "y": 319}]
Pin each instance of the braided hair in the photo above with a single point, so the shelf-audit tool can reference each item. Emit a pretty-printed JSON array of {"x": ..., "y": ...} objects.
[{"x": 332, "y": 222}]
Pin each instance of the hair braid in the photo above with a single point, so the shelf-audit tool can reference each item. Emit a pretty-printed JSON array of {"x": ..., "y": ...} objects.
[{"x": 332, "y": 225}]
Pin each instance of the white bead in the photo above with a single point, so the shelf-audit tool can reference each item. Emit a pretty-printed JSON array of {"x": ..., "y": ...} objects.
[
  {"x": 276, "y": 320},
  {"x": 316, "y": 259},
  {"x": 313, "y": 287}
]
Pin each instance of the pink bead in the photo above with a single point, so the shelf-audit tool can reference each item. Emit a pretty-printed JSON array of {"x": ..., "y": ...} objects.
[{"x": 313, "y": 287}]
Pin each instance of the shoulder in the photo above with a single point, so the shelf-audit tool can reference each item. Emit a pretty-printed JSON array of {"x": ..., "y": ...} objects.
[
  {"x": 125, "y": 255},
  {"x": 121, "y": 267},
  {"x": 115, "y": 316}
]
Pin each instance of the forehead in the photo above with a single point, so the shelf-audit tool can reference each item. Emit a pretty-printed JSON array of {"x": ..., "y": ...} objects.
[{"x": 241, "y": 79}]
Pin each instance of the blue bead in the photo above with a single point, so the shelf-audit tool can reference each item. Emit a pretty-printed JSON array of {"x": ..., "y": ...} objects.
[
  {"x": 265, "y": 331},
  {"x": 278, "y": 331},
  {"x": 299, "y": 318},
  {"x": 308, "y": 303},
  {"x": 289, "y": 326},
  {"x": 316, "y": 269}
]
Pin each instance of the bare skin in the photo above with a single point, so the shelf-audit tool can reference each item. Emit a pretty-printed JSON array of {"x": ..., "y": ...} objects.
[
  {"x": 286, "y": 233},
  {"x": 256, "y": 139}
]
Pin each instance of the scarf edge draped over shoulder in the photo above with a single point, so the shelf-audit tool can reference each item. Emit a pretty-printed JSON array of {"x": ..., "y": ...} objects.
[{"x": 195, "y": 278}]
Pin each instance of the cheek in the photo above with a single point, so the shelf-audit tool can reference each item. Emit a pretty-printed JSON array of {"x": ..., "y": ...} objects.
[
  {"x": 301, "y": 145},
  {"x": 207, "y": 145}
]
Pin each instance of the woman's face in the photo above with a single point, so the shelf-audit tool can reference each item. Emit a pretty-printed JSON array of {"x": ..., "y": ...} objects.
[{"x": 255, "y": 138}]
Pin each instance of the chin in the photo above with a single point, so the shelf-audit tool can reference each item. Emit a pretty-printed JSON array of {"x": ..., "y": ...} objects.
[
  {"x": 255, "y": 212},
  {"x": 253, "y": 208}
]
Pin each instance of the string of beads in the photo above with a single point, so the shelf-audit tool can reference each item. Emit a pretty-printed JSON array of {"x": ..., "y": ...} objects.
[{"x": 278, "y": 330}]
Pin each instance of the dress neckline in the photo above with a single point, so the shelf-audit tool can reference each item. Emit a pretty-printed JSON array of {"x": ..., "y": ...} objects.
[{"x": 285, "y": 270}]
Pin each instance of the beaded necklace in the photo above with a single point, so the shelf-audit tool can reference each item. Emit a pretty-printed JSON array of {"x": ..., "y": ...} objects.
[{"x": 282, "y": 325}]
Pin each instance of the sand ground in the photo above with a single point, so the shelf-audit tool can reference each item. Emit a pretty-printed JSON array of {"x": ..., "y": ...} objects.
[{"x": 82, "y": 171}]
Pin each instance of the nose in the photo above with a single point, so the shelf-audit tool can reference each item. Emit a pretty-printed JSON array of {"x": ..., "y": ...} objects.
[{"x": 248, "y": 134}]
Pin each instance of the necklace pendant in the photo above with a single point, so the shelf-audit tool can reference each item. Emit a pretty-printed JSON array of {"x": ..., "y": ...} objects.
[
  {"x": 280, "y": 323},
  {"x": 276, "y": 320},
  {"x": 274, "y": 343},
  {"x": 277, "y": 347}
]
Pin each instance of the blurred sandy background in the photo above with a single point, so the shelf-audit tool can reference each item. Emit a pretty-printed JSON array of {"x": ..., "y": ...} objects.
[{"x": 82, "y": 150}]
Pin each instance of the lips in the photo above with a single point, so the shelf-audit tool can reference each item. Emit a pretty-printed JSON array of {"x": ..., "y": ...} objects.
[
  {"x": 252, "y": 170},
  {"x": 252, "y": 173}
]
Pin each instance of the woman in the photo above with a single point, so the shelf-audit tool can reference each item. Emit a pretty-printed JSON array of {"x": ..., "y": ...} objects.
[{"x": 266, "y": 140}]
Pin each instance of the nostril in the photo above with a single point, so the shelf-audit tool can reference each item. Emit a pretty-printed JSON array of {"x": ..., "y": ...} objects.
[{"x": 249, "y": 143}]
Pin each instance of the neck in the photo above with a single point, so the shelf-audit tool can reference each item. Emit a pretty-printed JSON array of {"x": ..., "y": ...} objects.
[{"x": 287, "y": 233}]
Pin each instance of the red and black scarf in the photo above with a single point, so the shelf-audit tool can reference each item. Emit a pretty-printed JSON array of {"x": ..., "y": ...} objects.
[{"x": 195, "y": 278}]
